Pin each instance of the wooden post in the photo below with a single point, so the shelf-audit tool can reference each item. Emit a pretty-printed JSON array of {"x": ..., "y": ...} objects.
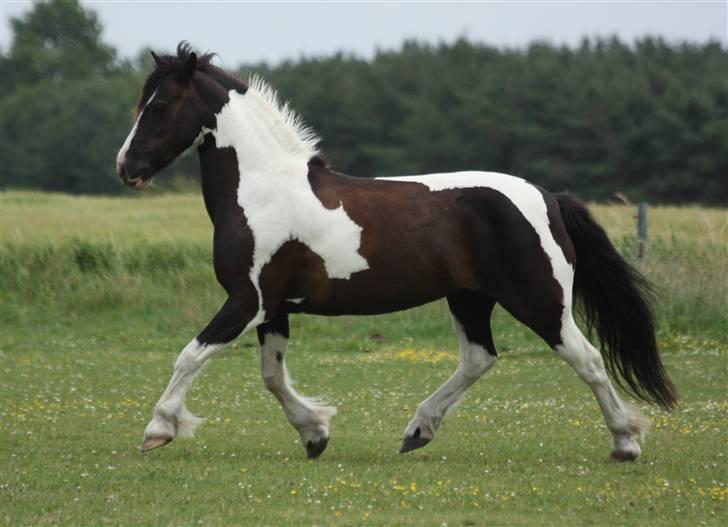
[{"x": 642, "y": 228}]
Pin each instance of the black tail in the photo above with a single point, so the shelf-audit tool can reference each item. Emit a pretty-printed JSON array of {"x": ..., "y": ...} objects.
[{"x": 614, "y": 298}]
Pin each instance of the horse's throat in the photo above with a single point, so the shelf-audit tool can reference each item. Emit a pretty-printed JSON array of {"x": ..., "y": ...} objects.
[{"x": 220, "y": 180}]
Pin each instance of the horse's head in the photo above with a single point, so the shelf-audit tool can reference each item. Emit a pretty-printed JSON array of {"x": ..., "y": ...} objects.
[{"x": 171, "y": 117}]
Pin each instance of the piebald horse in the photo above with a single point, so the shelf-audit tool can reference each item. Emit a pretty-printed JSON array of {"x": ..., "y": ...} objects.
[{"x": 291, "y": 235}]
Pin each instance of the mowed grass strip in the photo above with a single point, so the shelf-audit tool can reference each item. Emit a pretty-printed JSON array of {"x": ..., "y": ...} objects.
[{"x": 91, "y": 327}]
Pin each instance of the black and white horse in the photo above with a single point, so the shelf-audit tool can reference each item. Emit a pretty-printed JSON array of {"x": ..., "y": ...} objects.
[{"x": 293, "y": 236}]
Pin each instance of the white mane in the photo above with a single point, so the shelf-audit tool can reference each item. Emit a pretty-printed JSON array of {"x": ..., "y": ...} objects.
[{"x": 301, "y": 137}]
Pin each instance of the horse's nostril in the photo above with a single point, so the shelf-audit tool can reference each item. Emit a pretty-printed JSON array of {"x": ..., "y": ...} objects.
[{"x": 122, "y": 172}]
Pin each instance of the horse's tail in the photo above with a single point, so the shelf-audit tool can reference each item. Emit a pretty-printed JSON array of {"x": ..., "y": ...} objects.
[{"x": 614, "y": 299}]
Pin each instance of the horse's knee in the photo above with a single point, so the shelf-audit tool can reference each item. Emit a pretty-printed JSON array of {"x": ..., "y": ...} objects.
[
  {"x": 474, "y": 365},
  {"x": 185, "y": 362},
  {"x": 191, "y": 357}
]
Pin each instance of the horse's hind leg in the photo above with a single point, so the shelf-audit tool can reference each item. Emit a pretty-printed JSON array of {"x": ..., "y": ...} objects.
[
  {"x": 471, "y": 320},
  {"x": 542, "y": 311},
  {"x": 624, "y": 421},
  {"x": 309, "y": 416}
]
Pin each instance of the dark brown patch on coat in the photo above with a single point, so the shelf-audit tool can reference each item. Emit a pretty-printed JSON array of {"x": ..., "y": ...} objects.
[{"x": 557, "y": 227}]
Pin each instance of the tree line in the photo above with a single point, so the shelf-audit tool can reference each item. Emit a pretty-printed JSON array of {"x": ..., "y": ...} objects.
[{"x": 647, "y": 120}]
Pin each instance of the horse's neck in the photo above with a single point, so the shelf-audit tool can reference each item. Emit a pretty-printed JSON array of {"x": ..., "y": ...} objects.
[
  {"x": 265, "y": 138},
  {"x": 253, "y": 156},
  {"x": 220, "y": 181}
]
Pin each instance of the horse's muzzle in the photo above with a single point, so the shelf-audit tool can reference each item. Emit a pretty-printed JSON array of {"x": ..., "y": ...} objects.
[{"x": 135, "y": 174}]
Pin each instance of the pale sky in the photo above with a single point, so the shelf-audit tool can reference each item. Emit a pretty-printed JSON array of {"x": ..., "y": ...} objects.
[{"x": 250, "y": 32}]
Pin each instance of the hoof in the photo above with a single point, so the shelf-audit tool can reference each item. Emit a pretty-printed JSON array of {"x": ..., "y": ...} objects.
[
  {"x": 315, "y": 449},
  {"x": 151, "y": 443},
  {"x": 413, "y": 443},
  {"x": 620, "y": 457}
]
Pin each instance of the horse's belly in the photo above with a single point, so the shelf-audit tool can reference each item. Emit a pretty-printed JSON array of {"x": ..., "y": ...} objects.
[
  {"x": 396, "y": 280},
  {"x": 372, "y": 296}
]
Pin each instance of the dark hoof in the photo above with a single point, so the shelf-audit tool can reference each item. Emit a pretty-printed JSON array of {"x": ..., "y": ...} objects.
[
  {"x": 151, "y": 443},
  {"x": 620, "y": 457},
  {"x": 315, "y": 449},
  {"x": 413, "y": 443}
]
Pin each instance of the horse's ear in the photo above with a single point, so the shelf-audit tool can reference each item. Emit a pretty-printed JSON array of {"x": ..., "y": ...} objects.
[
  {"x": 189, "y": 68},
  {"x": 156, "y": 58}
]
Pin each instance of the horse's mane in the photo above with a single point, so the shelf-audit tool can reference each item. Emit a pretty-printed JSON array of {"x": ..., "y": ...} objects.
[{"x": 167, "y": 64}]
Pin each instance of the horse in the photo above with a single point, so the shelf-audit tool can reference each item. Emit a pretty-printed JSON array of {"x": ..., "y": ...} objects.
[{"x": 292, "y": 235}]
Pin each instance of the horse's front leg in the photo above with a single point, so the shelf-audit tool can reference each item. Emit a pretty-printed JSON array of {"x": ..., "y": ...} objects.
[
  {"x": 171, "y": 417},
  {"x": 309, "y": 416}
]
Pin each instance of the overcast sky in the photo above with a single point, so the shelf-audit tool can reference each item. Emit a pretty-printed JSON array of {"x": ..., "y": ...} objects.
[{"x": 249, "y": 32}]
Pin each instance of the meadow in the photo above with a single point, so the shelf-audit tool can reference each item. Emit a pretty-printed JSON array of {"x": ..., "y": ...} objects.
[{"x": 99, "y": 295}]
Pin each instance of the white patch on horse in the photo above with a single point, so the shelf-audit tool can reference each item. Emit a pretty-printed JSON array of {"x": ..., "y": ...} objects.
[
  {"x": 273, "y": 148},
  {"x": 527, "y": 199},
  {"x": 121, "y": 156},
  {"x": 195, "y": 144},
  {"x": 295, "y": 300}
]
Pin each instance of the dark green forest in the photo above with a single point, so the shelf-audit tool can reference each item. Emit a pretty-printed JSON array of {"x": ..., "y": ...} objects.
[{"x": 647, "y": 119}]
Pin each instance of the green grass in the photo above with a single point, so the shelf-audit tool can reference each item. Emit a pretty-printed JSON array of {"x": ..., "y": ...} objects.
[{"x": 99, "y": 295}]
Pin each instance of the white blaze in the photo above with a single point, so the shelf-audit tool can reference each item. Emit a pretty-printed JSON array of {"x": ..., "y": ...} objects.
[{"x": 121, "y": 156}]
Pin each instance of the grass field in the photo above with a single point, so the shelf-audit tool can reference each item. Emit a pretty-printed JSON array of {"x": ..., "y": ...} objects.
[{"x": 98, "y": 296}]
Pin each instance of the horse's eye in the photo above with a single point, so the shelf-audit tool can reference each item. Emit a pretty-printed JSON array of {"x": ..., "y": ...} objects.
[{"x": 158, "y": 106}]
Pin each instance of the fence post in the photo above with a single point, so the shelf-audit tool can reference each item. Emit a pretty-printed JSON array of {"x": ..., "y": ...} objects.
[{"x": 642, "y": 228}]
